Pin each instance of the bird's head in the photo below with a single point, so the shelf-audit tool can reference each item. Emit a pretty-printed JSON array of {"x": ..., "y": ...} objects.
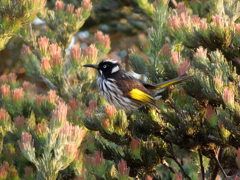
[{"x": 106, "y": 67}]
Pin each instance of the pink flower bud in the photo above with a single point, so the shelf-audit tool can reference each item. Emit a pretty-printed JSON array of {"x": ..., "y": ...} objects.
[
  {"x": 91, "y": 52},
  {"x": 217, "y": 20},
  {"x": 76, "y": 52},
  {"x": 122, "y": 168},
  {"x": 201, "y": 53},
  {"x": 70, "y": 8},
  {"x": 92, "y": 105},
  {"x": 43, "y": 44},
  {"x": 97, "y": 159},
  {"x": 3, "y": 78},
  {"x": 178, "y": 176},
  {"x": 238, "y": 157},
  {"x": 39, "y": 99},
  {"x": 195, "y": 19},
  {"x": 73, "y": 104},
  {"x": 203, "y": 24},
  {"x": 17, "y": 94},
  {"x": 110, "y": 111},
  {"x": 209, "y": 112},
  {"x": 185, "y": 19},
  {"x": 45, "y": 65},
  {"x": 59, "y": 5},
  {"x": 26, "y": 85},
  {"x": 70, "y": 150},
  {"x": 12, "y": 77},
  {"x": 181, "y": 7},
  {"x": 86, "y": 4},
  {"x": 56, "y": 54},
  {"x": 4, "y": 170},
  {"x": 134, "y": 144},
  {"x": 237, "y": 28},
  {"x": 4, "y": 116},
  {"x": 175, "y": 58},
  {"x": 19, "y": 121},
  {"x": 235, "y": 178},
  {"x": 59, "y": 115},
  {"x": 184, "y": 66},
  {"x": 104, "y": 40},
  {"x": 218, "y": 82},
  {"x": 52, "y": 96},
  {"x": 105, "y": 123},
  {"x": 148, "y": 178},
  {"x": 166, "y": 50},
  {"x": 26, "y": 141},
  {"x": 5, "y": 91},
  {"x": 41, "y": 128},
  {"x": 174, "y": 22},
  {"x": 228, "y": 97},
  {"x": 74, "y": 134},
  {"x": 88, "y": 112},
  {"x": 78, "y": 12},
  {"x": 26, "y": 50},
  {"x": 87, "y": 160},
  {"x": 238, "y": 153}
]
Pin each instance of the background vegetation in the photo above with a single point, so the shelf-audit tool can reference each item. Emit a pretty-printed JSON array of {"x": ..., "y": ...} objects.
[{"x": 55, "y": 125}]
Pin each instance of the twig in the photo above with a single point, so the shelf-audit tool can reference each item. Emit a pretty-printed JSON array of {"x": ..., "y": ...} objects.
[
  {"x": 201, "y": 164},
  {"x": 172, "y": 156},
  {"x": 216, "y": 157},
  {"x": 174, "y": 3},
  {"x": 180, "y": 166},
  {"x": 169, "y": 167}
]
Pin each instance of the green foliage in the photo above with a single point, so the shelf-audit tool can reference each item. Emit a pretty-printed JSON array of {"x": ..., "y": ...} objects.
[
  {"x": 12, "y": 19},
  {"x": 71, "y": 132}
]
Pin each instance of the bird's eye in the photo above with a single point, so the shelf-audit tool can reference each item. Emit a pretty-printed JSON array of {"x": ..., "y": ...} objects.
[{"x": 104, "y": 66}]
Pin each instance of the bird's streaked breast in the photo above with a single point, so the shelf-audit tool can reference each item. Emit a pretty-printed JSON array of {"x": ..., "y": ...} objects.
[{"x": 110, "y": 91}]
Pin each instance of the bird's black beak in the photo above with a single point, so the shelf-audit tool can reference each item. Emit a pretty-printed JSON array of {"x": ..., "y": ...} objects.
[{"x": 91, "y": 66}]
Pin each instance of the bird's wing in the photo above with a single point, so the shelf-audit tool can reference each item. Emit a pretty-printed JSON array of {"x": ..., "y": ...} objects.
[{"x": 133, "y": 88}]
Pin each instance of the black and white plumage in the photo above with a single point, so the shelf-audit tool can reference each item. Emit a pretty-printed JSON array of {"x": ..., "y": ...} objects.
[{"x": 123, "y": 90}]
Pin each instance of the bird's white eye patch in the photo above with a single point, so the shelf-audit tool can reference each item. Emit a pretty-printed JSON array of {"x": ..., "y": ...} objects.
[
  {"x": 104, "y": 66},
  {"x": 115, "y": 69}
]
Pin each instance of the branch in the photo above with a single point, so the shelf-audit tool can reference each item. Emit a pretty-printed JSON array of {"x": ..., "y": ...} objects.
[
  {"x": 201, "y": 164},
  {"x": 216, "y": 157},
  {"x": 180, "y": 166},
  {"x": 174, "y": 3},
  {"x": 172, "y": 156},
  {"x": 169, "y": 167}
]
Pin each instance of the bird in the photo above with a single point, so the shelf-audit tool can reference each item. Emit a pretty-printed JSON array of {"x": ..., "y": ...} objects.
[{"x": 123, "y": 90}]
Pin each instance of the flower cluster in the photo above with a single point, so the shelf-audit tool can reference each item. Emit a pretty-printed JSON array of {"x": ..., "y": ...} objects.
[
  {"x": 184, "y": 20},
  {"x": 96, "y": 164},
  {"x": 123, "y": 170},
  {"x": 181, "y": 64},
  {"x": 26, "y": 146},
  {"x": 102, "y": 42},
  {"x": 79, "y": 57},
  {"x": 60, "y": 137}
]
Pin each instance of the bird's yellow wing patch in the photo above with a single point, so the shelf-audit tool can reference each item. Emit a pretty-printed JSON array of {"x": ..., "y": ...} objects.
[{"x": 140, "y": 96}]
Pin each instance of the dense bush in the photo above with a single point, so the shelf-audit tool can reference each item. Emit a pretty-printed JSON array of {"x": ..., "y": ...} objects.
[{"x": 71, "y": 132}]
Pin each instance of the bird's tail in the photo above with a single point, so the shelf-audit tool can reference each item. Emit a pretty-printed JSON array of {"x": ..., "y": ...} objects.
[{"x": 171, "y": 82}]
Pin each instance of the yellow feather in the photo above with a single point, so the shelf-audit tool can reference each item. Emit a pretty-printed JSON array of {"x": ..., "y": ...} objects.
[
  {"x": 168, "y": 83},
  {"x": 140, "y": 96}
]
